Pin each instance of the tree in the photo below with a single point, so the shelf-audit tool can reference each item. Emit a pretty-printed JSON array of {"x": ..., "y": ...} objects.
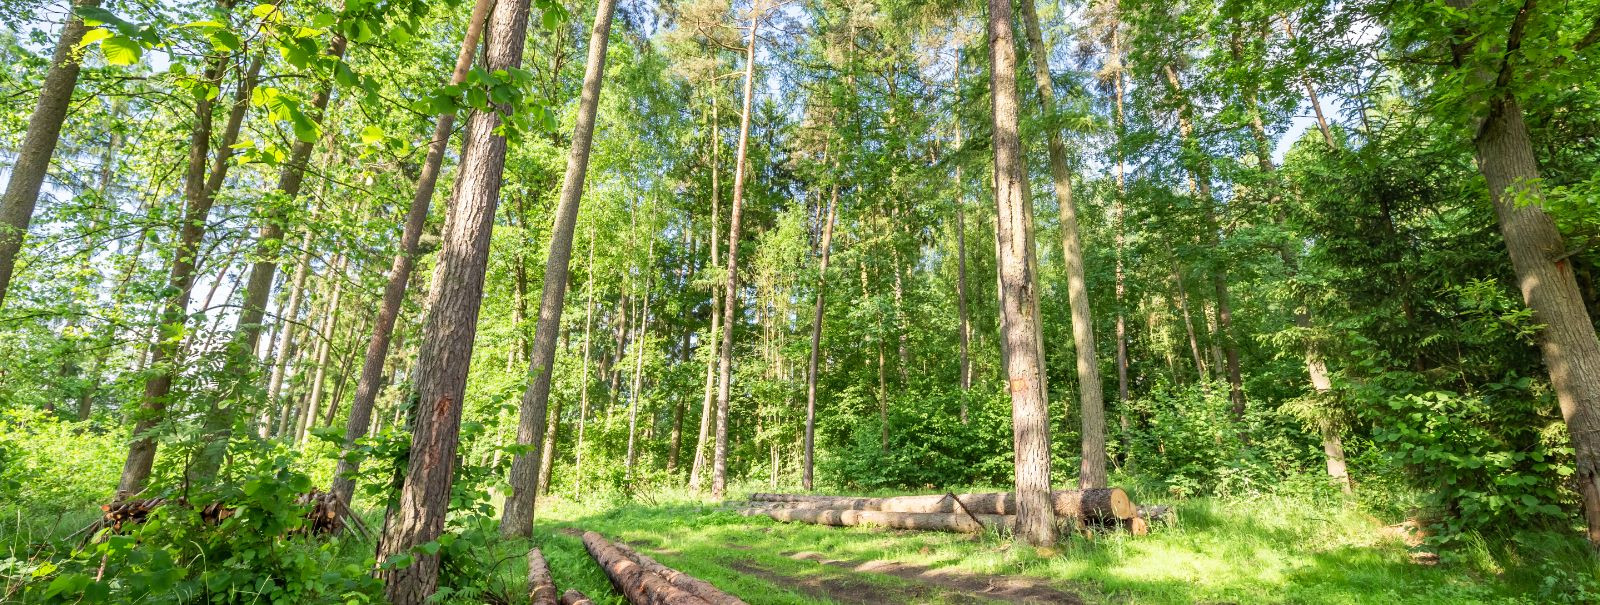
[
  {"x": 517, "y": 519},
  {"x": 449, "y": 331},
  {"x": 1030, "y": 413},
  {"x": 44, "y": 130}
]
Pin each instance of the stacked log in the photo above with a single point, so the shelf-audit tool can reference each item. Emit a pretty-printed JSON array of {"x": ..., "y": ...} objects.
[
  {"x": 652, "y": 585},
  {"x": 961, "y": 513},
  {"x": 1097, "y": 504},
  {"x": 573, "y": 597},
  {"x": 541, "y": 588}
]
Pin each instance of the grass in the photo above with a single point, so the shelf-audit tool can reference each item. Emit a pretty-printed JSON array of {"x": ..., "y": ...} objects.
[{"x": 1260, "y": 550}]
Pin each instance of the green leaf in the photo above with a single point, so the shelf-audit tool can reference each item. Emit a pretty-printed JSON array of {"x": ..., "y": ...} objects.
[
  {"x": 552, "y": 19},
  {"x": 121, "y": 50},
  {"x": 371, "y": 135},
  {"x": 92, "y": 36},
  {"x": 261, "y": 11},
  {"x": 224, "y": 40},
  {"x": 344, "y": 76},
  {"x": 71, "y": 583}
]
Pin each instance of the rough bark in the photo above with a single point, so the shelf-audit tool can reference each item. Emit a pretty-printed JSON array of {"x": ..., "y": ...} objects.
[
  {"x": 1030, "y": 414},
  {"x": 394, "y": 290},
  {"x": 638, "y": 586},
  {"x": 730, "y": 296},
  {"x": 541, "y": 589},
  {"x": 699, "y": 588},
  {"x": 517, "y": 519},
  {"x": 1091, "y": 397},
  {"x": 448, "y": 334},
  {"x": 1539, "y": 256},
  {"x": 547, "y": 459},
  {"x": 574, "y": 597},
  {"x": 199, "y": 193},
  {"x": 39, "y": 144}
]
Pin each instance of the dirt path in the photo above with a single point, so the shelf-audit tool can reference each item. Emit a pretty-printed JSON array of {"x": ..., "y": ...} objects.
[{"x": 1009, "y": 589}]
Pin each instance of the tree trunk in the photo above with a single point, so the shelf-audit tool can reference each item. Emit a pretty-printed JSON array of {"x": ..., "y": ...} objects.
[
  {"x": 951, "y": 522},
  {"x": 730, "y": 296},
  {"x": 1030, "y": 413},
  {"x": 1106, "y": 503},
  {"x": 446, "y": 349},
  {"x": 714, "y": 335},
  {"x": 330, "y": 322},
  {"x": 638, "y": 362},
  {"x": 1091, "y": 397},
  {"x": 541, "y": 588},
  {"x": 517, "y": 519},
  {"x": 199, "y": 193},
  {"x": 636, "y": 585},
  {"x": 394, "y": 291},
  {"x": 290, "y": 320},
  {"x": 816, "y": 338},
  {"x": 583, "y": 389},
  {"x": 39, "y": 144},
  {"x": 1540, "y": 257},
  {"x": 547, "y": 459}
]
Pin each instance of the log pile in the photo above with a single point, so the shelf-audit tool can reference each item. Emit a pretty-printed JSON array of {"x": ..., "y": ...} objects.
[
  {"x": 643, "y": 581},
  {"x": 962, "y": 513}
]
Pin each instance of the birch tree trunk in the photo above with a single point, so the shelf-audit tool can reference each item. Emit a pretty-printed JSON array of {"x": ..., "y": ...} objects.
[{"x": 517, "y": 519}]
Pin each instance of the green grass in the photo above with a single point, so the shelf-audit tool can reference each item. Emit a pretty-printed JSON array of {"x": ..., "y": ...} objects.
[{"x": 1261, "y": 550}]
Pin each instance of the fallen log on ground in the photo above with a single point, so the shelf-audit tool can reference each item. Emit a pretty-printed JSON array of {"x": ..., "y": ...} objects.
[
  {"x": 635, "y": 584},
  {"x": 1102, "y": 503},
  {"x": 325, "y": 515},
  {"x": 573, "y": 597},
  {"x": 951, "y": 522},
  {"x": 541, "y": 589},
  {"x": 696, "y": 586}
]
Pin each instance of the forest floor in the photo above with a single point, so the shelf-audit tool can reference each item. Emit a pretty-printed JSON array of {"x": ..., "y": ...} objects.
[{"x": 1266, "y": 550}]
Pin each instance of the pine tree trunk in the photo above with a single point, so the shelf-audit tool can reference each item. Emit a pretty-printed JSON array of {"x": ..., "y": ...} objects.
[
  {"x": 547, "y": 459},
  {"x": 1090, "y": 393},
  {"x": 394, "y": 290},
  {"x": 448, "y": 334},
  {"x": 199, "y": 193},
  {"x": 730, "y": 296},
  {"x": 1030, "y": 413},
  {"x": 39, "y": 144},
  {"x": 517, "y": 519}
]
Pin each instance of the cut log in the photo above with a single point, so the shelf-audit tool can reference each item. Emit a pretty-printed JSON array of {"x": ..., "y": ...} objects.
[
  {"x": 696, "y": 586},
  {"x": 573, "y": 597},
  {"x": 541, "y": 589},
  {"x": 1104, "y": 503},
  {"x": 636, "y": 585},
  {"x": 951, "y": 522}
]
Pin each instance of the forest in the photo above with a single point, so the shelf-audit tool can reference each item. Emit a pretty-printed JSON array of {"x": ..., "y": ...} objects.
[{"x": 699, "y": 302}]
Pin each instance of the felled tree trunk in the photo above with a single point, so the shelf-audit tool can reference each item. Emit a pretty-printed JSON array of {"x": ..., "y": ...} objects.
[
  {"x": 541, "y": 589},
  {"x": 1100, "y": 503},
  {"x": 573, "y": 597},
  {"x": 951, "y": 522},
  {"x": 635, "y": 584},
  {"x": 696, "y": 586}
]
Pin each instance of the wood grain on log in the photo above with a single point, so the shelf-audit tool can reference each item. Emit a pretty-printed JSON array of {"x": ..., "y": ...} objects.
[{"x": 541, "y": 589}]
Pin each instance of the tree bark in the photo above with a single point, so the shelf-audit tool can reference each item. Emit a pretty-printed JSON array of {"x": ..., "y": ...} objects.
[
  {"x": 39, "y": 144},
  {"x": 517, "y": 519},
  {"x": 541, "y": 588},
  {"x": 1030, "y": 414},
  {"x": 199, "y": 193},
  {"x": 446, "y": 349},
  {"x": 290, "y": 320},
  {"x": 330, "y": 322},
  {"x": 1539, "y": 256},
  {"x": 1106, "y": 503},
  {"x": 394, "y": 291},
  {"x": 730, "y": 296},
  {"x": 699, "y": 588},
  {"x": 1091, "y": 396},
  {"x": 636, "y": 585},
  {"x": 638, "y": 363}
]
